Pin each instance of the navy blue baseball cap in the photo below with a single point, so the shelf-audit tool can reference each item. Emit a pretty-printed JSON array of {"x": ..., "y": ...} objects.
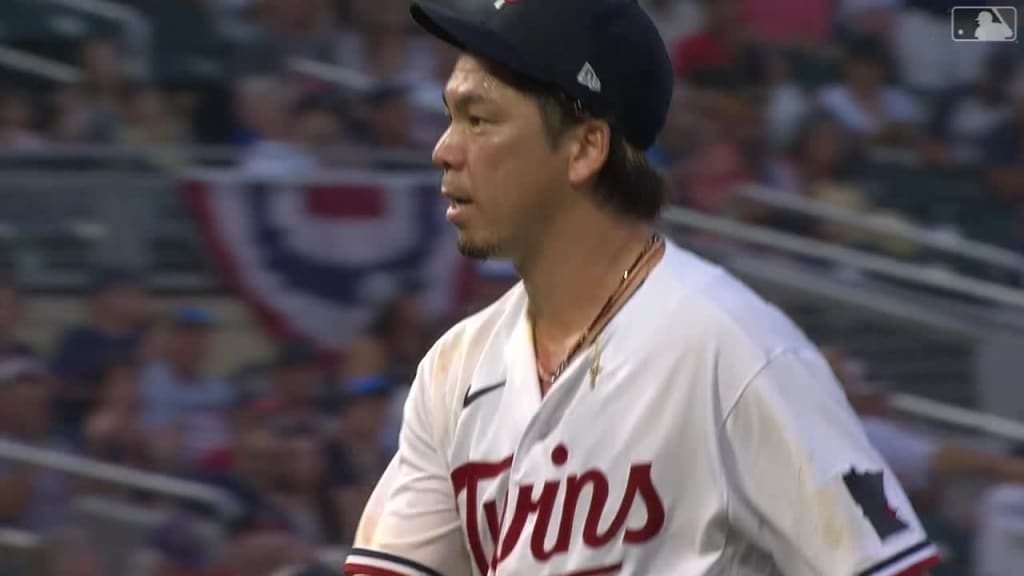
[{"x": 606, "y": 55}]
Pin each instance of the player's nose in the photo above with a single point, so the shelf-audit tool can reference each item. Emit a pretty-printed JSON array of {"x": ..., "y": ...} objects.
[{"x": 449, "y": 152}]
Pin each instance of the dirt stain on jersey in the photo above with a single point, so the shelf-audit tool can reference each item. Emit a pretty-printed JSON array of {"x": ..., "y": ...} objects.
[
  {"x": 825, "y": 512},
  {"x": 834, "y": 528}
]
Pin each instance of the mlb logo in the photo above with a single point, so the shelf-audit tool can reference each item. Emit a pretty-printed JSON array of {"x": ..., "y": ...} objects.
[{"x": 984, "y": 24}]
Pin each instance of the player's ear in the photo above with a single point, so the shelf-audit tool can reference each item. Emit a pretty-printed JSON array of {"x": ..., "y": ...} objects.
[{"x": 591, "y": 140}]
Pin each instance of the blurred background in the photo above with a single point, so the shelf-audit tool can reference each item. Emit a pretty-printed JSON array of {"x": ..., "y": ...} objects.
[{"x": 222, "y": 254}]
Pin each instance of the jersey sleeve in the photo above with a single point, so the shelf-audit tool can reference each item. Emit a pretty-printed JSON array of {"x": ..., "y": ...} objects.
[
  {"x": 411, "y": 526},
  {"x": 804, "y": 483}
]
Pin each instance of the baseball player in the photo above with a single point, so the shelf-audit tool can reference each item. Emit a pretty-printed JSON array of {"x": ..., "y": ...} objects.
[{"x": 627, "y": 408}]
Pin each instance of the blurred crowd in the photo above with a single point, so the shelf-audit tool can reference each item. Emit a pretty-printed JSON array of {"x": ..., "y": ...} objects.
[
  {"x": 298, "y": 441},
  {"x": 815, "y": 99},
  {"x": 798, "y": 96},
  {"x": 385, "y": 89}
]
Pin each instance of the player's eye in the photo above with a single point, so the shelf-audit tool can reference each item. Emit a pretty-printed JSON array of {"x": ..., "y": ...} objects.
[{"x": 476, "y": 121}]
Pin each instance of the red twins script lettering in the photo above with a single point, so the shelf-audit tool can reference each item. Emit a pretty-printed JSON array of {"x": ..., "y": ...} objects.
[{"x": 527, "y": 504}]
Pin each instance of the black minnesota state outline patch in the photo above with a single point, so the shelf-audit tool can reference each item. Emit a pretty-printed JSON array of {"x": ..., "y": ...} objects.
[{"x": 868, "y": 491}]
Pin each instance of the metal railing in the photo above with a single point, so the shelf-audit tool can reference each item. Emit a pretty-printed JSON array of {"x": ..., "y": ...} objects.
[
  {"x": 332, "y": 73},
  {"x": 931, "y": 277},
  {"x": 957, "y": 417},
  {"x": 122, "y": 157},
  {"x": 936, "y": 239},
  {"x": 923, "y": 315},
  {"x": 80, "y": 466},
  {"x": 139, "y": 31},
  {"x": 31, "y": 64}
]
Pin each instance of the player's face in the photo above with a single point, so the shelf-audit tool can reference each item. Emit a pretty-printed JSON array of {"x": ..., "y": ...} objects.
[{"x": 501, "y": 172}]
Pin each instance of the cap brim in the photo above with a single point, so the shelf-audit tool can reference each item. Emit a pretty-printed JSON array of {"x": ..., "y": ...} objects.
[{"x": 473, "y": 37}]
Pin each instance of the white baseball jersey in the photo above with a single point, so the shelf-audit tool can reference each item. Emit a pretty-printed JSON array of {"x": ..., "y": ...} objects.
[{"x": 702, "y": 434}]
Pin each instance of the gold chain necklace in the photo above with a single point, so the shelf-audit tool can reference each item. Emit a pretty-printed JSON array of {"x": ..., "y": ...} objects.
[{"x": 550, "y": 380}]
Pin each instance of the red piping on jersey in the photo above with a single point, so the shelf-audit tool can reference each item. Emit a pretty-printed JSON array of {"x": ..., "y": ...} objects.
[
  {"x": 921, "y": 568},
  {"x": 597, "y": 571},
  {"x": 364, "y": 570}
]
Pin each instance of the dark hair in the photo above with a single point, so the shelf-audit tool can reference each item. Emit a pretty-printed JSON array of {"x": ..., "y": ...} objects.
[{"x": 627, "y": 183}]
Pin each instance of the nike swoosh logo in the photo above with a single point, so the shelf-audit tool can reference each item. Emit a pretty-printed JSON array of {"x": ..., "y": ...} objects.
[{"x": 470, "y": 398}]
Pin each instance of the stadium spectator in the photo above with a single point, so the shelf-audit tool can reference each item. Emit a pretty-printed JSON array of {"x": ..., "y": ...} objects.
[
  {"x": 179, "y": 548},
  {"x": 817, "y": 165},
  {"x": 151, "y": 121},
  {"x": 30, "y": 498},
  {"x": 265, "y": 109},
  {"x": 17, "y": 122},
  {"x": 258, "y": 104},
  {"x": 250, "y": 477},
  {"x": 1003, "y": 151},
  {"x": 429, "y": 111},
  {"x": 286, "y": 29},
  {"x": 301, "y": 486},
  {"x": 377, "y": 42},
  {"x": 317, "y": 124},
  {"x": 115, "y": 431},
  {"x": 102, "y": 90},
  {"x": 12, "y": 310},
  {"x": 962, "y": 125},
  {"x": 820, "y": 164},
  {"x": 186, "y": 409},
  {"x": 684, "y": 128},
  {"x": 726, "y": 151},
  {"x": 716, "y": 46},
  {"x": 397, "y": 337},
  {"x": 113, "y": 331},
  {"x": 866, "y": 103},
  {"x": 786, "y": 104},
  {"x": 355, "y": 457},
  {"x": 796, "y": 23},
  {"x": 70, "y": 118},
  {"x": 296, "y": 378},
  {"x": 388, "y": 122}
]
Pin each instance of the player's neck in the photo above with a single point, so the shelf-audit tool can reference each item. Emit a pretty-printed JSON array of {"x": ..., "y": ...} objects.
[{"x": 574, "y": 269}]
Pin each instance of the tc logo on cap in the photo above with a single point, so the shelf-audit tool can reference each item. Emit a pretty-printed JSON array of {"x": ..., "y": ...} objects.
[{"x": 984, "y": 23}]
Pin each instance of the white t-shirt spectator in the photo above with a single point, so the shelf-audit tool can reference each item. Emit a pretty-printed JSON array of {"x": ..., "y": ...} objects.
[
  {"x": 970, "y": 123},
  {"x": 787, "y": 107},
  {"x": 195, "y": 410},
  {"x": 897, "y": 106}
]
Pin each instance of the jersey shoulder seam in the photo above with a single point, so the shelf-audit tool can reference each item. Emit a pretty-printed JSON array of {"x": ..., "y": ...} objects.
[{"x": 772, "y": 357}]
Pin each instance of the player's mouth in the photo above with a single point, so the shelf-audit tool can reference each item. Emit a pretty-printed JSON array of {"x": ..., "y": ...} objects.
[{"x": 456, "y": 208}]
